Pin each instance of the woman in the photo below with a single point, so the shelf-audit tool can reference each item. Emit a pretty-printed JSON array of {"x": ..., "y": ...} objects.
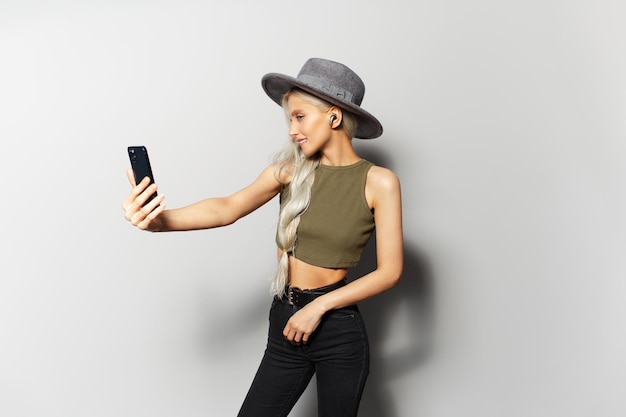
[{"x": 331, "y": 201}]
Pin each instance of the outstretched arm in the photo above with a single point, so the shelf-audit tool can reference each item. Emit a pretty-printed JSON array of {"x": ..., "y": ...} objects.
[{"x": 205, "y": 214}]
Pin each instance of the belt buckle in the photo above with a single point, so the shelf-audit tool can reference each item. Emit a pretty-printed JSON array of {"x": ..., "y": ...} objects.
[{"x": 290, "y": 294}]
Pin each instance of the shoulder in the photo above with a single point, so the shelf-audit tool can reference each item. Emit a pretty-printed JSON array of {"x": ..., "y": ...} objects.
[
  {"x": 282, "y": 172},
  {"x": 381, "y": 177},
  {"x": 267, "y": 181},
  {"x": 382, "y": 187}
]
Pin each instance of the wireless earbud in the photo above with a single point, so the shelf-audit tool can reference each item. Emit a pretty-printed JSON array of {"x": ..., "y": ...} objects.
[{"x": 332, "y": 119}]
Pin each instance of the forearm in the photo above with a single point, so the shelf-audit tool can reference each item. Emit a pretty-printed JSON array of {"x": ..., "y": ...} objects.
[
  {"x": 374, "y": 283},
  {"x": 205, "y": 214}
]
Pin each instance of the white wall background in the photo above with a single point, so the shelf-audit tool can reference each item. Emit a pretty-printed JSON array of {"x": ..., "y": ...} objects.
[{"x": 504, "y": 120}]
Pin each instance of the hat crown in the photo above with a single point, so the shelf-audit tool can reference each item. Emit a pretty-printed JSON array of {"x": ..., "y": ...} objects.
[
  {"x": 330, "y": 81},
  {"x": 334, "y": 78}
]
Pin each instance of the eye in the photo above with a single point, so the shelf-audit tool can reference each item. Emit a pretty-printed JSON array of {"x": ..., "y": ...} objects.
[{"x": 299, "y": 117}]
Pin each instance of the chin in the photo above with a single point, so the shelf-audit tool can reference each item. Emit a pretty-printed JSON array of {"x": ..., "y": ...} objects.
[{"x": 310, "y": 154}]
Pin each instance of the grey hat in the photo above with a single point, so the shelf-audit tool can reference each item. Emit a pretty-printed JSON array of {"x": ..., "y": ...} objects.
[{"x": 332, "y": 82}]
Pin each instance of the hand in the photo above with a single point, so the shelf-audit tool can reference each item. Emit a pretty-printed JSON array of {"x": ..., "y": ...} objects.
[
  {"x": 302, "y": 324},
  {"x": 144, "y": 217}
]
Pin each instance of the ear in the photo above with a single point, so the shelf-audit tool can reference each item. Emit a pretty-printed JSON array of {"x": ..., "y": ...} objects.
[{"x": 335, "y": 116}]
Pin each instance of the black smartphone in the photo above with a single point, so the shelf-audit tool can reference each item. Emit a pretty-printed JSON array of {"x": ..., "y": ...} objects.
[{"x": 140, "y": 164}]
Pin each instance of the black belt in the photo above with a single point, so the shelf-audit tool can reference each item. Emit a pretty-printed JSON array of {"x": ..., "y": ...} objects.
[{"x": 300, "y": 298}]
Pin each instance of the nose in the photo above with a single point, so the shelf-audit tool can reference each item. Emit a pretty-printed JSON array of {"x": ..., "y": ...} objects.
[{"x": 293, "y": 132}]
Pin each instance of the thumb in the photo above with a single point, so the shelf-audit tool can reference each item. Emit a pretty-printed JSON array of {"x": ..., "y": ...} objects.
[{"x": 131, "y": 176}]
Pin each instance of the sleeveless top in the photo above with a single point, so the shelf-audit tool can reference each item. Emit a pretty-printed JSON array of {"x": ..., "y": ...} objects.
[{"x": 338, "y": 222}]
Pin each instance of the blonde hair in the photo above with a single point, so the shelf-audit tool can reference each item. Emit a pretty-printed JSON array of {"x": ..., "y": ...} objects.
[{"x": 291, "y": 163}]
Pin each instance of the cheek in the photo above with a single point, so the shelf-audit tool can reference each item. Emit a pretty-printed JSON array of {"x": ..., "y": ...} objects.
[{"x": 317, "y": 126}]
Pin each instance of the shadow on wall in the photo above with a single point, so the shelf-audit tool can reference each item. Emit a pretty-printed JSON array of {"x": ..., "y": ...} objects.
[{"x": 409, "y": 303}]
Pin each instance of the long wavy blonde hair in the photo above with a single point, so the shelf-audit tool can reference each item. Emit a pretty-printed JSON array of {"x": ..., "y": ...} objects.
[{"x": 297, "y": 173}]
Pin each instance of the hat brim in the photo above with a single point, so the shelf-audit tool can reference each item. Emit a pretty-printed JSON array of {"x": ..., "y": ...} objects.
[{"x": 276, "y": 85}]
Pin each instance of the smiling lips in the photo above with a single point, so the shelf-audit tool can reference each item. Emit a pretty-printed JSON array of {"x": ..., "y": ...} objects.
[{"x": 300, "y": 140}]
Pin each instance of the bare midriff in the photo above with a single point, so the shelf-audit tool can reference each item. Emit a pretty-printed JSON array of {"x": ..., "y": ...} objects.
[{"x": 306, "y": 276}]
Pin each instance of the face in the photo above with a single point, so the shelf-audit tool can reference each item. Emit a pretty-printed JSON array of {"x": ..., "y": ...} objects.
[{"x": 309, "y": 126}]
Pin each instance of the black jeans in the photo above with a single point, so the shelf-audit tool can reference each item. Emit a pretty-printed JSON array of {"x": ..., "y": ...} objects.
[{"x": 337, "y": 352}]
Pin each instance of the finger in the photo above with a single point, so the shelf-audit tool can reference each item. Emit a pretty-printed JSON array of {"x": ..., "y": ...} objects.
[
  {"x": 290, "y": 335},
  {"x": 141, "y": 213},
  {"x": 136, "y": 200},
  {"x": 141, "y": 200},
  {"x": 131, "y": 176},
  {"x": 137, "y": 190},
  {"x": 295, "y": 337},
  {"x": 154, "y": 203},
  {"x": 144, "y": 197},
  {"x": 145, "y": 223}
]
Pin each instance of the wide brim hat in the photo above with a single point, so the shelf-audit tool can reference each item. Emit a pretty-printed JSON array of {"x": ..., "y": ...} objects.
[{"x": 332, "y": 82}]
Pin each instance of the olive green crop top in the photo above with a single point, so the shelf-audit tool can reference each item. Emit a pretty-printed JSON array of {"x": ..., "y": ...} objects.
[{"x": 336, "y": 226}]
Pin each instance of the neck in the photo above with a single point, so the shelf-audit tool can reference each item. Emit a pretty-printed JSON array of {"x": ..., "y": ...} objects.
[{"x": 339, "y": 152}]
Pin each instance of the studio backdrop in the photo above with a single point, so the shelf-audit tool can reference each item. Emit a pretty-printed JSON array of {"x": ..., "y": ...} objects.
[{"x": 503, "y": 120}]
